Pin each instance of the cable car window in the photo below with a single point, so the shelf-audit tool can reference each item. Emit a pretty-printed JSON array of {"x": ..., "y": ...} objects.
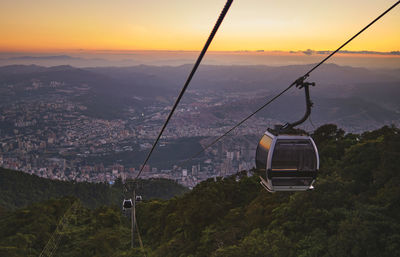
[
  {"x": 291, "y": 182},
  {"x": 262, "y": 152},
  {"x": 294, "y": 155}
]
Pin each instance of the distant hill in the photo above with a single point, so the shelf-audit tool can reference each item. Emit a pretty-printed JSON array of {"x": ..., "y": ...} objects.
[
  {"x": 51, "y": 57},
  {"x": 104, "y": 96},
  {"x": 237, "y": 78},
  {"x": 19, "y": 189},
  {"x": 109, "y": 92},
  {"x": 356, "y": 98},
  {"x": 20, "y": 69},
  {"x": 353, "y": 111}
]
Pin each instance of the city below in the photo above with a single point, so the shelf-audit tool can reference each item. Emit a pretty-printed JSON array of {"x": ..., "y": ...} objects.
[{"x": 72, "y": 124}]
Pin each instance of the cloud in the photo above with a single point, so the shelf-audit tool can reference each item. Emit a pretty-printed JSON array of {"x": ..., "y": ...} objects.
[{"x": 311, "y": 52}]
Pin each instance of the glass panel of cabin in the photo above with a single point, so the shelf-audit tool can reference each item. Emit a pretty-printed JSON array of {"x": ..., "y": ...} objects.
[
  {"x": 293, "y": 155},
  {"x": 292, "y": 182},
  {"x": 262, "y": 152}
]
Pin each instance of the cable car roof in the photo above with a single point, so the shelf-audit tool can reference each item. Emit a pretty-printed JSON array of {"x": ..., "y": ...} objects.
[{"x": 286, "y": 136}]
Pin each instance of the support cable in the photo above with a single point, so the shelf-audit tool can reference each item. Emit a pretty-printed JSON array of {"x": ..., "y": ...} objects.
[
  {"x": 296, "y": 82},
  {"x": 54, "y": 241},
  {"x": 194, "y": 69},
  {"x": 196, "y": 65},
  {"x": 140, "y": 238}
]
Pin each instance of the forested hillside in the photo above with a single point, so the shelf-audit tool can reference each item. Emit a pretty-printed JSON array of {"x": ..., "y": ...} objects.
[
  {"x": 91, "y": 232},
  {"x": 18, "y": 189},
  {"x": 354, "y": 211}
]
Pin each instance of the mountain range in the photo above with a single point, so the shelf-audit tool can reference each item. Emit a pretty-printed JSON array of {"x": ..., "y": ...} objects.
[{"x": 341, "y": 93}]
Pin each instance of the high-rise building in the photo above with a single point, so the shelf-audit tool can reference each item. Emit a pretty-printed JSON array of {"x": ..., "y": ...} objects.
[
  {"x": 146, "y": 168},
  {"x": 194, "y": 170}
]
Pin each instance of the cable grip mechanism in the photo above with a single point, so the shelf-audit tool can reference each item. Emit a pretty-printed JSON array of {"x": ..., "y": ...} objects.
[{"x": 301, "y": 83}]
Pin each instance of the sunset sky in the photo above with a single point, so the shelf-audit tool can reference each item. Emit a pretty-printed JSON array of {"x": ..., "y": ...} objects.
[{"x": 52, "y": 25}]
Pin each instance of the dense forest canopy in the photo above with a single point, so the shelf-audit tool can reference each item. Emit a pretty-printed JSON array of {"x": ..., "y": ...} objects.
[
  {"x": 354, "y": 211},
  {"x": 18, "y": 189}
]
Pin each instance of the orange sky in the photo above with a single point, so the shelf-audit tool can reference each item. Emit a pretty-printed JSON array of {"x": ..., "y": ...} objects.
[{"x": 56, "y": 25}]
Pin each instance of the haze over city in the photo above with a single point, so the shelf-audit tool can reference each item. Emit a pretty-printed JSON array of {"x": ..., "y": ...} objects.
[{"x": 256, "y": 41}]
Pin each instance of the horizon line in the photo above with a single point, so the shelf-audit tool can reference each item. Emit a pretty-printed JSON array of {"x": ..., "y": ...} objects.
[{"x": 258, "y": 51}]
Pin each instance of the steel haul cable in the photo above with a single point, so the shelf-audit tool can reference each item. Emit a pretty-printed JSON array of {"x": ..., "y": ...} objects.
[
  {"x": 196, "y": 65},
  {"x": 224, "y": 11},
  {"x": 140, "y": 238},
  {"x": 194, "y": 69}
]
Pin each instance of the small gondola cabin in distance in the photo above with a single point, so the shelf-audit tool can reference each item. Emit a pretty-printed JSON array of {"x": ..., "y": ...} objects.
[
  {"x": 291, "y": 162},
  {"x": 127, "y": 204}
]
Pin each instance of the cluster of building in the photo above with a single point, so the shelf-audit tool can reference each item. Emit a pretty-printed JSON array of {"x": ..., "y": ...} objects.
[{"x": 53, "y": 137}]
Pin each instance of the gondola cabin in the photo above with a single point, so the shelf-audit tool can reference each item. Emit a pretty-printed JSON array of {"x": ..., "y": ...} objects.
[
  {"x": 139, "y": 198},
  {"x": 291, "y": 162},
  {"x": 127, "y": 204}
]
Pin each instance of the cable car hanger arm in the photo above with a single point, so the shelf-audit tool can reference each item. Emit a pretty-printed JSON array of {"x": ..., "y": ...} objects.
[{"x": 300, "y": 83}]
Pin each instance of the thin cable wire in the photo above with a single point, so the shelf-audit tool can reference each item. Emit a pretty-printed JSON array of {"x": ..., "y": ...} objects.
[
  {"x": 356, "y": 35},
  {"x": 53, "y": 243},
  {"x": 243, "y": 121},
  {"x": 294, "y": 83},
  {"x": 140, "y": 238},
  {"x": 196, "y": 65},
  {"x": 312, "y": 124}
]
